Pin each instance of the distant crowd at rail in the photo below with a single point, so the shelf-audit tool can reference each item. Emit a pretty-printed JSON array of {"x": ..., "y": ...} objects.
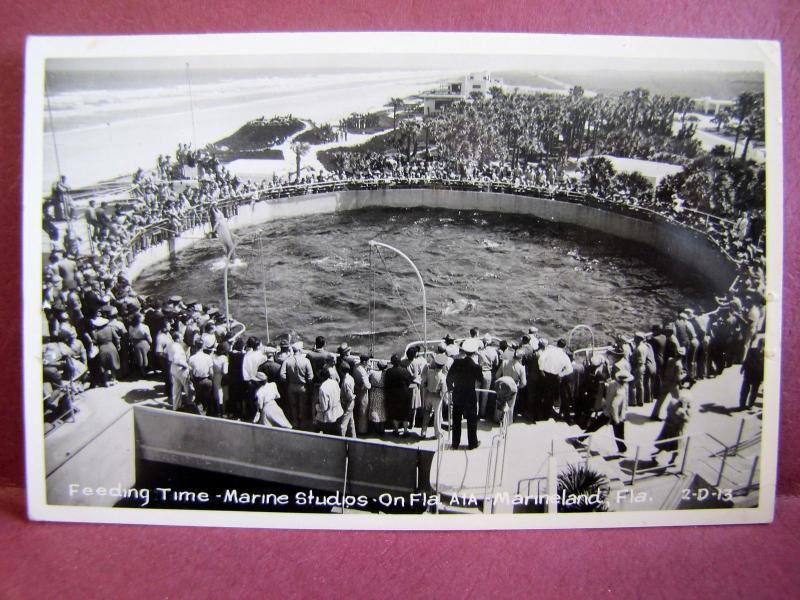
[
  {"x": 98, "y": 330},
  {"x": 164, "y": 196}
]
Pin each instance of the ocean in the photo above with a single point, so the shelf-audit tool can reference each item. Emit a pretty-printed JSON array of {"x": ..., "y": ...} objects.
[{"x": 105, "y": 124}]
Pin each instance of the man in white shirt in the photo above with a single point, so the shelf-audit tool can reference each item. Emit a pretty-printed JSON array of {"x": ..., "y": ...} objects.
[
  {"x": 201, "y": 367},
  {"x": 488, "y": 361},
  {"x": 347, "y": 426},
  {"x": 328, "y": 407},
  {"x": 555, "y": 364},
  {"x": 178, "y": 370},
  {"x": 250, "y": 363}
]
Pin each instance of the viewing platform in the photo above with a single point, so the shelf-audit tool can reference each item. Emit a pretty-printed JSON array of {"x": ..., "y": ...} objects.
[{"x": 101, "y": 448}]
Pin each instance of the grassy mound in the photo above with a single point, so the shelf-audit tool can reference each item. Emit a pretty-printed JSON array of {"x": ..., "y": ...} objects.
[
  {"x": 257, "y": 138},
  {"x": 380, "y": 144},
  {"x": 321, "y": 134}
]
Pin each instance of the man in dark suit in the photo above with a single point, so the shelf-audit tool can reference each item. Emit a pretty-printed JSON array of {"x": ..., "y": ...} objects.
[{"x": 463, "y": 378}]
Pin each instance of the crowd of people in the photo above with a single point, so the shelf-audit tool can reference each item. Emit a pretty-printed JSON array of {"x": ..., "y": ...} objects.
[{"x": 98, "y": 329}]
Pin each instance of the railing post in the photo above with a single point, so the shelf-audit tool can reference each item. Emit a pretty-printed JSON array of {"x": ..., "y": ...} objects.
[
  {"x": 738, "y": 438},
  {"x": 722, "y": 468},
  {"x": 752, "y": 475},
  {"x": 552, "y": 479},
  {"x": 346, "y": 468},
  {"x": 635, "y": 465},
  {"x": 685, "y": 454}
]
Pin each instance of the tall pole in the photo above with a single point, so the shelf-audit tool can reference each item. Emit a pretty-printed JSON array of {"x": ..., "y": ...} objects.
[
  {"x": 191, "y": 106},
  {"x": 373, "y": 243},
  {"x": 264, "y": 285},
  {"x": 225, "y": 286}
]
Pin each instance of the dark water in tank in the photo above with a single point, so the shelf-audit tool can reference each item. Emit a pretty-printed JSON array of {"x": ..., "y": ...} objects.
[{"x": 499, "y": 273}]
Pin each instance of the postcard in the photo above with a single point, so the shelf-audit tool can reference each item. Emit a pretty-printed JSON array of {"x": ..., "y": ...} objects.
[{"x": 402, "y": 280}]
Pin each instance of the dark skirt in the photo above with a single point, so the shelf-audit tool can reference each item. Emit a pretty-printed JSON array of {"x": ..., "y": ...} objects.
[
  {"x": 398, "y": 404},
  {"x": 109, "y": 357}
]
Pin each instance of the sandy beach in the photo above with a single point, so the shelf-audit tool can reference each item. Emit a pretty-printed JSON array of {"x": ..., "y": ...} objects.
[{"x": 91, "y": 154}]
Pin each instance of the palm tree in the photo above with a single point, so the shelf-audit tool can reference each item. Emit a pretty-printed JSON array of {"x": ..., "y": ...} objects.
[
  {"x": 300, "y": 149},
  {"x": 721, "y": 118},
  {"x": 745, "y": 104},
  {"x": 396, "y": 104},
  {"x": 754, "y": 123}
]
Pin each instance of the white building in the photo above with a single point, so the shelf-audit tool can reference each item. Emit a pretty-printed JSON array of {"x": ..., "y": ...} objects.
[
  {"x": 461, "y": 89},
  {"x": 711, "y": 106}
]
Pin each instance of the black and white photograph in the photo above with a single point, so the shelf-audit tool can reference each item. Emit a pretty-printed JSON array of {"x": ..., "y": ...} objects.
[{"x": 402, "y": 281}]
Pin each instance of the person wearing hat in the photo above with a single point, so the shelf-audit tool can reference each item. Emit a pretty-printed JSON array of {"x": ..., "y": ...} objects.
[
  {"x": 701, "y": 324},
  {"x": 505, "y": 399},
  {"x": 672, "y": 376},
  {"x": 328, "y": 405},
  {"x": 347, "y": 423},
  {"x": 345, "y": 354},
  {"x": 678, "y": 414},
  {"x": 752, "y": 370},
  {"x": 252, "y": 359},
  {"x": 451, "y": 348},
  {"x": 141, "y": 340},
  {"x": 298, "y": 376},
  {"x": 687, "y": 337},
  {"x": 318, "y": 357},
  {"x": 176, "y": 302},
  {"x": 488, "y": 360},
  {"x": 463, "y": 378},
  {"x": 529, "y": 396},
  {"x": 107, "y": 342},
  {"x": 362, "y": 387},
  {"x": 237, "y": 388},
  {"x": 398, "y": 382},
  {"x": 178, "y": 371},
  {"x": 219, "y": 378},
  {"x": 284, "y": 350},
  {"x": 615, "y": 407},
  {"x": 416, "y": 366},
  {"x": 376, "y": 410},
  {"x": 271, "y": 368},
  {"x": 209, "y": 335},
  {"x": 638, "y": 360},
  {"x": 201, "y": 369},
  {"x": 658, "y": 344},
  {"x": 434, "y": 391}
]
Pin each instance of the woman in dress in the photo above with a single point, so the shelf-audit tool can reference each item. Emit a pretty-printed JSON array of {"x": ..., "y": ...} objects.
[
  {"x": 377, "y": 398},
  {"x": 678, "y": 412},
  {"x": 416, "y": 366},
  {"x": 139, "y": 335},
  {"x": 107, "y": 342},
  {"x": 435, "y": 390},
  {"x": 398, "y": 382}
]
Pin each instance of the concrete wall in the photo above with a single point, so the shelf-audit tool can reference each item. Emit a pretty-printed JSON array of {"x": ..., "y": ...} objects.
[
  {"x": 670, "y": 240},
  {"x": 107, "y": 461},
  {"x": 283, "y": 456}
]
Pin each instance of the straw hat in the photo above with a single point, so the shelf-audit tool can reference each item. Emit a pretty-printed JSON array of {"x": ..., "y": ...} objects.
[{"x": 471, "y": 345}]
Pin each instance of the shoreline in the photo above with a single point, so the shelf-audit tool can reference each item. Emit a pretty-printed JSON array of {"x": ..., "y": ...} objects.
[{"x": 79, "y": 149}]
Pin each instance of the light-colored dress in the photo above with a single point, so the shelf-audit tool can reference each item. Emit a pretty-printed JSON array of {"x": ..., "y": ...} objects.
[{"x": 377, "y": 398}]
